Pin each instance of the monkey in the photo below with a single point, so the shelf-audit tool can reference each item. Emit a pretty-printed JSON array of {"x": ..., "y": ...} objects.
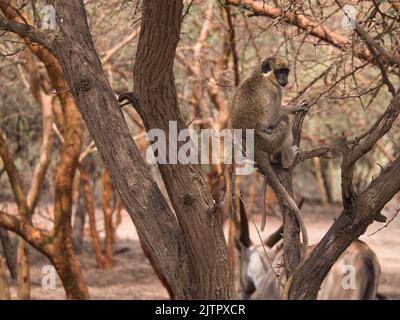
[{"x": 257, "y": 104}]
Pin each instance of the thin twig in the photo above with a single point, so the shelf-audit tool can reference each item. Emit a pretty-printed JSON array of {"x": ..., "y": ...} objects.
[{"x": 387, "y": 223}]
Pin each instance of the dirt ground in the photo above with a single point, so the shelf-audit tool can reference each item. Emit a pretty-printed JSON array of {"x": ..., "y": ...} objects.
[{"x": 133, "y": 278}]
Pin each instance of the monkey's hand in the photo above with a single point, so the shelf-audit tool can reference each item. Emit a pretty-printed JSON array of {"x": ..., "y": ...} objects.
[{"x": 301, "y": 106}]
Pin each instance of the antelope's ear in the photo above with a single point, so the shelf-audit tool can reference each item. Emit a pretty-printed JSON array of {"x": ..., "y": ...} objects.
[
  {"x": 265, "y": 66},
  {"x": 244, "y": 239}
]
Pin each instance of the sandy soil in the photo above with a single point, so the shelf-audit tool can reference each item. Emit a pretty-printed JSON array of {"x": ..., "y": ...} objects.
[{"x": 133, "y": 278}]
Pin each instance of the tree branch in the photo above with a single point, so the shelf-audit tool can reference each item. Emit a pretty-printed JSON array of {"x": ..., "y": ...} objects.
[
  {"x": 391, "y": 58},
  {"x": 365, "y": 142},
  {"x": 27, "y": 231},
  {"x": 14, "y": 178},
  {"x": 25, "y": 30},
  {"x": 344, "y": 230},
  {"x": 304, "y": 23}
]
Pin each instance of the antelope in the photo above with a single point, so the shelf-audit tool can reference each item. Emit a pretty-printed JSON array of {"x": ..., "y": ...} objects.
[{"x": 259, "y": 281}]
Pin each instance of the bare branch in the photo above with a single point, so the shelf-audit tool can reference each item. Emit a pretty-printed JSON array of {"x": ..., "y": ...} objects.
[
  {"x": 347, "y": 227},
  {"x": 392, "y": 59},
  {"x": 304, "y": 23},
  {"x": 25, "y": 30},
  {"x": 366, "y": 141},
  {"x": 27, "y": 231},
  {"x": 108, "y": 55},
  {"x": 14, "y": 178},
  {"x": 386, "y": 224},
  {"x": 318, "y": 152}
]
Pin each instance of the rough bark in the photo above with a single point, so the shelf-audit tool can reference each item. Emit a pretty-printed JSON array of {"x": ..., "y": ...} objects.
[
  {"x": 346, "y": 228},
  {"x": 291, "y": 228},
  {"x": 359, "y": 210},
  {"x": 60, "y": 243},
  {"x": 185, "y": 184},
  {"x": 23, "y": 274},
  {"x": 156, "y": 224},
  {"x": 191, "y": 254},
  {"x": 45, "y": 103}
]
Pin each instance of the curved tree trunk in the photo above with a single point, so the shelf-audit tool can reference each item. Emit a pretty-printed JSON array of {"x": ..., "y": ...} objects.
[
  {"x": 191, "y": 254},
  {"x": 196, "y": 245},
  {"x": 185, "y": 184},
  {"x": 65, "y": 172},
  {"x": 68, "y": 267},
  {"x": 63, "y": 257}
]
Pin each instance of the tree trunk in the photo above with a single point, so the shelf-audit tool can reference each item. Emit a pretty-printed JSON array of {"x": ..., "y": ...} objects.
[
  {"x": 67, "y": 165},
  {"x": 155, "y": 222},
  {"x": 23, "y": 278},
  {"x": 79, "y": 222},
  {"x": 108, "y": 223},
  {"x": 291, "y": 229},
  {"x": 327, "y": 176},
  {"x": 9, "y": 251},
  {"x": 68, "y": 267},
  {"x": 90, "y": 209},
  {"x": 185, "y": 184},
  {"x": 191, "y": 254},
  {"x": 4, "y": 289},
  {"x": 320, "y": 181}
]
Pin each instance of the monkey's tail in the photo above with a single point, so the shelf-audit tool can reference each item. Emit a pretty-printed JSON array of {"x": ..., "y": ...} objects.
[
  {"x": 281, "y": 192},
  {"x": 288, "y": 201},
  {"x": 264, "y": 214}
]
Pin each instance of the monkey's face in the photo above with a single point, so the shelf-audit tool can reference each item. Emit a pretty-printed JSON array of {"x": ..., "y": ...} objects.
[
  {"x": 279, "y": 67},
  {"x": 281, "y": 76}
]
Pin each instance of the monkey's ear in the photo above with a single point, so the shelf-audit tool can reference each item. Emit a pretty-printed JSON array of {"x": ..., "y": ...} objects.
[{"x": 265, "y": 67}]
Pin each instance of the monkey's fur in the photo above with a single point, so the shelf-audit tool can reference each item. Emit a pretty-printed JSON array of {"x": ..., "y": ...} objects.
[{"x": 257, "y": 105}]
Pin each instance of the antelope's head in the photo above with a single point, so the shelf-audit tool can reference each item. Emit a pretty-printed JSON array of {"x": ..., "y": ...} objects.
[{"x": 255, "y": 271}]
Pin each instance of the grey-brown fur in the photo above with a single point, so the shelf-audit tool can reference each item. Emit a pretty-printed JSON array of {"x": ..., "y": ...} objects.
[{"x": 256, "y": 105}]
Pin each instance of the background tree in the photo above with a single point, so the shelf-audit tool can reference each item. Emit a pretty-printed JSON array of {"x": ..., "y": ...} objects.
[{"x": 187, "y": 60}]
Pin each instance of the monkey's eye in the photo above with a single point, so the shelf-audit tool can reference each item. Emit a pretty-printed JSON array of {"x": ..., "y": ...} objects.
[{"x": 265, "y": 67}]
